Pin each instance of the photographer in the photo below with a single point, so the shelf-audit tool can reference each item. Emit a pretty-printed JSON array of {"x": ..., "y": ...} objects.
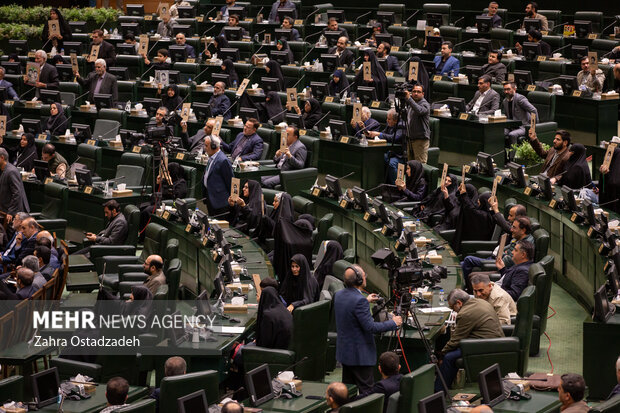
[
  {"x": 418, "y": 124},
  {"x": 161, "y": 120}
]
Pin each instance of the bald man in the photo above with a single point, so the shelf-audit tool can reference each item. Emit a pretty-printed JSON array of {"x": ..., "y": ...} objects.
[
  {"x": 345, "y": 56},
  {"x": 153, "y": 268},
  {"x": 195, "y": 144},
  {"x": 481, "y": 409},
  {"x": 336, "y": 395},
  {"x": 219, "y": 102}
]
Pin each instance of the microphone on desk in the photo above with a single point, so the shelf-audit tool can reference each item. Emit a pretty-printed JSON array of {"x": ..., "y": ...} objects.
[
  {"x": 457, "y": 20},
  {"x": 209, "y": 12},
  {"x": 561, "y": 48},
  {"x": 259, "y": 11},
  {"x": 316, "y": 125},
  {"x": 410, "y": 40},
  {"x": 512, "y": 22},
  {"x": 409, "y": 18},
  {"x": 312, "y": 34},
  {"x": 359, "y": 17},
  {"x": 311, "y": 14},
  {"x": 26, "y": 92},
  {"x": 561, "y": 25},
  {"x": 463, "y": 42},
  {"x": 230, "y": 107},
  {"x": 276, "y": 115},
  {"x": 345, "y": 89},
  {"x": 256, "y": 39},
  {"x": 148, "y": 70},
  {"x": 347, "y": 175},
  {"x": 207, "y": 31},
  {"x": 609, "y": 202}
]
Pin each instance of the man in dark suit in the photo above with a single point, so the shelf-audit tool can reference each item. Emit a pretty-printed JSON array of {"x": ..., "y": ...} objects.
[
  {"x": 12, "y": 195},
  {"x": 288, "y": 24},
  {"x": 219, "y": 102},
  {"x": 515, "y": 279},
  {"x": 389, "y": 366},
  {"x": 355, "y": 347},
  {"x": 25, "y": 242},
  {"x": 332, "y": 26},
  {"x": 486, "y": 100},
  {"x": 247, "y": 145},
  {"x": 44, "y": 255},
  {"x": 189, "y": 49},
  {"x": 196, "y": 143},
  {"x": 494, "y": 67},
  {"x": 115, "y": 233},
  {"x": 216, "y": 180},
  {"x": 25, "y": 289},
  {"x": 281, "y": 4},
  {"x": 106, "y": 50},
  {"x": 48, "y": 75},
  {"x": 11, "y": 247},
  {"x": 290, "y": 158},
  {"x": 99, "y": 81},
  {"x": 516, "y": 107},
  {"x": 383, "y": 51},
  {"x": 345, "y": 56}
]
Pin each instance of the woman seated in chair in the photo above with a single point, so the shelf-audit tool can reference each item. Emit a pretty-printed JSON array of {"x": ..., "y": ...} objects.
[
  {"x": 433, "y": 204},
  {"x": 414, "y": 189},
  {"x": 247, "y": 210},
  {"x": 282, "y": 46},
  {"x": 299, "y": 286},
  {"x": 274, "y": 324},
  {"x": 329, "y": 252},
  {"x": 475, "y": 220},
  {"x": 219, "y": 43},
  {"x": 228, "y": 68},
  {"x": 378, "y": 78},
  {"x": 312, "y": 113},
  {"x": 173, "y": 188},
  {"x": 453, "y": 207},
  {"x": 274, "y": 70},
  {"x": 282, "y": 209},
  {"x": 171, "y": 100},
  {"x": 577, "y": 174},
  {"x": 272, "y": 109},
  {"x": 57, "y": 122},
  {"x": 26, "y": 152},
  {"x": 338, "y": 84}
]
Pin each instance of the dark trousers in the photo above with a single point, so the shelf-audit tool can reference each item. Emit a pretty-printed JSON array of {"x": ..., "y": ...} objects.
[
  {"x": 448, "y": 369},
  {"x": 361, "y": 376}
]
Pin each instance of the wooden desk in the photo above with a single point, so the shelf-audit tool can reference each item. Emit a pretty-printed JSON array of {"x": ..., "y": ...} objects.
[
  {"x": 600, "y": 352},
  {"x": 96, "y": 402},
  {"x": 591, "y": 121}
]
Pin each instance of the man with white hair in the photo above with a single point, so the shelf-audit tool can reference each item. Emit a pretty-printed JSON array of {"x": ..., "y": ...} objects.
[
  {"x": 31, "y": 262},
  {"x": 367, "y": 124},
  {"x": 217, "y": 178},
  {"x": 219, "y": 102},
  {"x": 48, "y": 75},
  {"x": 99, "y": 81}
]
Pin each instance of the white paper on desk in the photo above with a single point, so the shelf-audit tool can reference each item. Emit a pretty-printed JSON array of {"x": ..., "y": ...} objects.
[
  {"x": 441, "y": 309},
  {"x": 228, "y": 329}
]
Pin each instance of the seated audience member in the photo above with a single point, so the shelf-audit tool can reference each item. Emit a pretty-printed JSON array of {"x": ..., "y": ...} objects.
[
  {"x": 389, "y": 367},
  {"x": 556, "y": 157},
  {"x": 130, "y": 39},
  {"x": 116, "y": 393},
  {"x": 332, "y": 26},
  {"x": 246, "y": 211},
  {"x": 274, "y": 323},
  {"x": 378, "y": 79},
  {"x": 366, "y": 125},
  {"x": 153, "y": 267},
  {"x": 610, "y": 190},
  {"x": 32, "y": 263},
  {"x": 218, "y": 43},
  {"x": 58, "y": 166},
  {"x": 413, "y": 188},
  {"x": 516, "y": 107},
  {"x": 287, "y": 23},
  {"x": 44, "y": 254},
  {"x": 57, "y": 123},
  {"x": 577, "y": 173},
  {"x": 495, "y": 68},
  {"x": 189, "y": 49},
  {"x": 324, "y": 264},
  {"x": 495, "y": 295},
  {"x": 164, "y": 28},
  {"x": 475, "y": 221},
  {"x": 115, "y": 232},
  {"x": 158, "y": 122},
  {"x": 371, "y": 41},
  {"x": 24, "y": 243},
  {"x": 336, "y": 396},
  {"x": 515, "y": 278},
  {"x": 281, "y": 4},
  {"x": 534, "y": 36},
  {"x": 196, "y": 143},
  {"x": 228, "y": 68},
  {"x": 531, "y": 12},
  {"x": 475, "y": 318},
  {"x": 11, "y": 93},
  {"x": 217, "y": 177},
  {"x": 274, "y": 70},
  {"x": 433, "y": 203},
  {"x": 590, "y": 78},
  {"x": 446, "y": 64},
  {"x": 219, "y": 102},
  {"x": 247, "y": 146},
  {"x": 48, "y": 75},
  {"x": 496, "y": 20},
  {"x": 99, "y": 81},
  {"x": 24, "y": 288},
  {"x": 513, "y": 213},
  {"x": 174, "y": 9},
  {"x": 107, "y": 51},
  {"x": 282, "y": 209},
  {"x": 44, "y": 238},
  {"x": 338, "y": 84},
  {"x": 486, "y": 100},
  {"x": 571, "y": 391},
  {"x": 290, "y": 158},
  {"x": 283, "y": 46},
  {"x": 383, "y": 52},
  {"x": 233, "y": 21},
  {"x": 452, "y": 207},
  {"x": 616, "y": 390},
  {"x": 9, "y": 248},
  {"x": 299, "y": 287},
  {"x": 345, "y": 56},
  {"x": 174, "y": 366},
  {"x": 393, "y": 133},
  {"x": 26, "y": 152},
  {"x": 312, "y": 113},
  {"x": 232, "y": 407},
  {"x": 170, "y": 99},
  {"x": 161, "y": 62}
]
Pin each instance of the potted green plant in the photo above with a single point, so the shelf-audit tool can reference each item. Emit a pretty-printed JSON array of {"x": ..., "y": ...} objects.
[{"x": 525, "y": 155}]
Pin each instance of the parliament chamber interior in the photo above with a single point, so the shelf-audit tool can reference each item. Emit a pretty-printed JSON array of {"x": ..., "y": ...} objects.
[{"x": 302, "y": 207}]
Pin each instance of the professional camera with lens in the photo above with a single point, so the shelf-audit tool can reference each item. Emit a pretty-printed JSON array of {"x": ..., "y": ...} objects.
[
  {"x": 400, "y": 90},
  {"x": 409, "y": 274}
]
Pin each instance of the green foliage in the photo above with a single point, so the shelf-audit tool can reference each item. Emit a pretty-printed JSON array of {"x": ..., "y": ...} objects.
[
  {"x": 18, "y": 31},
  {"x": 525, "y": 155},
  {"x": 39, "y": 14}
]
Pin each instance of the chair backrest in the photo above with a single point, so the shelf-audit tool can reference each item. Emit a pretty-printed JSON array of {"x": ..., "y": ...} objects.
[
  {"x": 90, "y": 156},
  {"x": 549, "y": 69},
  {"x": 191, "y": 177},
  {"x": 173, "y": 278},
  {"x": 135, "y": 64},
  {"x": 67, "y": 98},
  {"x": 608, "y": 406},
  {"x": 339, "y": 234},
  {"x": 596, "y": 17},
  {"x": 312, "y": 150},
  {"x": 171, "y": 388},
  {"x": 501, "y": 37},
  {"x": 322, "y": 226},
  {"x": 132, "y": 215},
  {"x": 397, "y": 8},
  {"x": 141, "y": 406},
  {"x": 49, "y": 288},
  {"x": 127, "y": 91},
  {"x": 526, "y": 305},
  {"x": 442, "y": 90},
  {"x": 451, "y": 34},
  {"x": 55, "y": 200},
  {"x": 415, "y": 386},
  {"x": 155, "y": 239},
  {"x": 433, "y": 156},
  {"x": 130, "y": 175},
  {"x": 106, "y": 129},
  {"x": 68, "y": 368},
  {"x": 369, "y": 404},
  {"x": 431, "y": 175},
  {"x": 7, "y": 322},
  {"x": 543, "y": 290},
  {"x": 12, "y": 388},
  {"x": 310, "y": 339},
  {"x": 553, "y": 17},
  {"x": 541, "y": 244},
  {"x": 296, "y": 181},
  {"x": 443, "y": 8},
  {"x": 263, "y": 155},
  {"x": 544, "y": 102},
  {"x": 172, "y": 250}
]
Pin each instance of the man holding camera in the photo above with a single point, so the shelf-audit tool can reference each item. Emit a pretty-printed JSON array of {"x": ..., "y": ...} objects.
[{"x": 418, "y": 124}]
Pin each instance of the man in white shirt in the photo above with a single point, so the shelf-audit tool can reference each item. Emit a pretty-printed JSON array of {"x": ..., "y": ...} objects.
[
  {"x": 501, "y": 301},
  {"x": 486, "y": 100}
]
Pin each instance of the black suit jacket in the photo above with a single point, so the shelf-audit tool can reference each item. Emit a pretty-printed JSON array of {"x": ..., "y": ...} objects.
[
  {"x": 106, "y": 52},
  {"x": 49, "y": 76},
  {"x": 109, "y": 85},
  {"x": 386, "y": 387},
  {"x": 346, "y": 58}
]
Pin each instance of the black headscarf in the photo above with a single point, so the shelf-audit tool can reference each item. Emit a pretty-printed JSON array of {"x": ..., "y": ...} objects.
[
  {"x": 378, "y": 76},
  {"x": 249, "y": 216},
  {"x": 276, "y": 71},
  {"x": 577, "y": 173},
  {"x": 57, "y": 124},
  {"x": 222, "y": 43},
  {"x": 284, "y": 212},
  {"x": 285, "y": 209},
  {"x": 302, "y": 289},
  {"x": 453, "y": 209},
  {"x": 171, "y": 103},
  {"x": 57, "y": 59},
  {"x": 26, "y": 156},
  {"x": 417, "y": 174},
  {"x": 65, "y": 32},
  {"x": 312, "y": 118},
  {"x": 291, "y": 238},
  {"x": 475, "y": 222},
  {"x": 274, "y": 323},
  {"x": 309, "y": 218},
  {"x": 343, "y": 83},
  {"x": 272, "y": 108},
  {"x": 333, "y": 253},
  {"x": 423, "y": 78},
  {"x": 610, "y": 183},
  {"x": 287, "y": 48},
  {"x": 179, "y": 184},
  {"x": 229, "y": 69},
  {"x": 433, "y": 203}
]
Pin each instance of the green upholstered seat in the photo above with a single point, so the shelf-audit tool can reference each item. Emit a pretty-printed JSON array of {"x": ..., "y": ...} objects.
[
  {"x": 191, "y": 177},
  {"x": 433, "y": 157},
  {"x": 368, "y": 404},
  {"x": 442, "y": 90},
  {"x": 12, "y": 388},
  {"x": 543, "y": 282},
  {"x": 452, "y": 34},
  {"x": 187, "y": 70},
  {"x": 89, "y": 156},
  {"x": 105, "y": 367},
  {"x": 544, "y": 103},
  {"x": 135, "y": 64},
  {"x": 295, "y": 181},
  {"x": 397, "y": 8},
  {"x": 127, "y": 91},
  {"x": 541, "y": 243},
  {"x": 413, "y": 386},
  {"x": 549, "y": 69},
  {"x": 501, "y": 37},
  {"x": 336, "y": 110},
  {"x": 312, "y": 150},
  {"x": 141, "y": 406},
  {"x": 554, "y": 17},
  {"x": 596, "y": 17},
  {"x": 107, "y": 129},
  {"x": 292, "y": 75},
  {"x": 445, "y": 9},
  {"x": 69, "y": 368},
  {"x": 171, "y": 388},
  {"x": 608, "y": 406},
  {"x": 303, "y": 205},
  {"x": 130, "y": 175},
  {"x": 82, "y": 281},
  {"x": 324, "y": 223}
]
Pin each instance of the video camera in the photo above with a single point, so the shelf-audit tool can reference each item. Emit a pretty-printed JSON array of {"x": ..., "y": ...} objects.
[
  {"x": 409, "y": 274},
  {"x": 401, "y": 89}
]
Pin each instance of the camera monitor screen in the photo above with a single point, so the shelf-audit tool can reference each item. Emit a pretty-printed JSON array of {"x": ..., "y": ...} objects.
[
  {"x": 258, "y": 383},
  {"x": 491, "y": 387}
]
